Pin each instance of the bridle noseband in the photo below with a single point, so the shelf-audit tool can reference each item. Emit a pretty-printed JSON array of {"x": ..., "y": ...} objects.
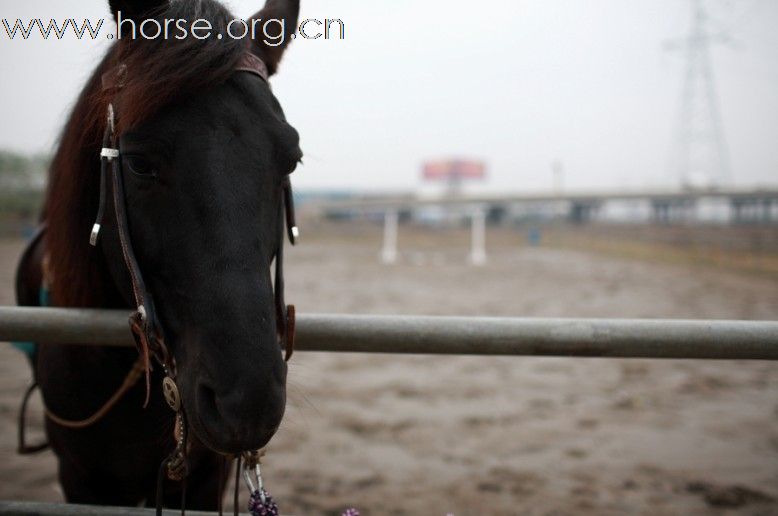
[{"x": 144, "y": 323}]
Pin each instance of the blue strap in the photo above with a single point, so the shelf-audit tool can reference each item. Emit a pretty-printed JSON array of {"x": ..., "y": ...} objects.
[
  {"x": 28, "y": 348},
  {"x": 44, "y": 296}
]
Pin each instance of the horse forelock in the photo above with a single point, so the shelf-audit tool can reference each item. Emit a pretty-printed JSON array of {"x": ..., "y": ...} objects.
[
  {"x": 158, "y": 73},
  {"x": 161, "y": 70}
]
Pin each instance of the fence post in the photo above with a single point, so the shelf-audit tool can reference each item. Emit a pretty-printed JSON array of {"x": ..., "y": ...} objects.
[
  {"x": 478, "y": 237},
  {"x": 389, "y": 252}
]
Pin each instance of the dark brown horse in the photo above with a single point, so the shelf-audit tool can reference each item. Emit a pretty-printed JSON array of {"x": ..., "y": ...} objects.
[{"x": 205, "y": 150}]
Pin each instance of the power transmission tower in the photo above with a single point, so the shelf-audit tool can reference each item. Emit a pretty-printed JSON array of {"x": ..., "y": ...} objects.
[{"x": 700, "y": 158}]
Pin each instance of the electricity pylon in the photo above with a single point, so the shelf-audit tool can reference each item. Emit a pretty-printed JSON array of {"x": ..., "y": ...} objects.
[{"x": 700, "y": 158}]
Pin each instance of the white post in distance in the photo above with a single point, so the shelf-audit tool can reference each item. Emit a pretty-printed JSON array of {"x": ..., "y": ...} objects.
[
  {"x": 389, "y": 252},
  {"x": 478, "y": 237}
]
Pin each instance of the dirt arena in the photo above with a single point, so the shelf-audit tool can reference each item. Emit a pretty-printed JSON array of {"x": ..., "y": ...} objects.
[{"x": 437, "y": 435}]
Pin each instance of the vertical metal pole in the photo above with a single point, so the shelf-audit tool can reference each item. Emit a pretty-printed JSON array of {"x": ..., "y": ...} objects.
[
  {"x": 478, "y": 237},
  {"x": 389, "y": 252}
]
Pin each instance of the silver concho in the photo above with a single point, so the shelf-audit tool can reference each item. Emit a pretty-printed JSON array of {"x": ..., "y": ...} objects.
[{"x": 170, "y": 390}]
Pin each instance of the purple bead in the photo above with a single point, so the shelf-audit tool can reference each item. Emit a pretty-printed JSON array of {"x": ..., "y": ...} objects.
[
  {"x": 259, "y": 508},
  {"x": 350, "y": 512}
]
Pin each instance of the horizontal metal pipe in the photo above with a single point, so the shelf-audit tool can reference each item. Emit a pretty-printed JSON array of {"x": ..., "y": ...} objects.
[
  {"x": 55, "y": 509},
  {"x": 629, "y": 338}
]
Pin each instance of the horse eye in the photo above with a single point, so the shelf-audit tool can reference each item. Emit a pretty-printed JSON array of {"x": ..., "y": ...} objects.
[{"x": 139, "y": 166}]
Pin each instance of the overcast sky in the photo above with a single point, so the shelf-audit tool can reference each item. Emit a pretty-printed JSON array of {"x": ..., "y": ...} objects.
[{"x": 518, "y": 84}]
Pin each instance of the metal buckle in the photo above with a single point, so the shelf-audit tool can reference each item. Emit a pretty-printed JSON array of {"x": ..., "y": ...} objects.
[
  {"x": 110, "y": 153},
  {"x": 93, "y": 236}
]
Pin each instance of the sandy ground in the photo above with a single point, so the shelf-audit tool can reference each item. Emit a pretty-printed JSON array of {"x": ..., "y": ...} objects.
[{"x": 438, "y": 435}]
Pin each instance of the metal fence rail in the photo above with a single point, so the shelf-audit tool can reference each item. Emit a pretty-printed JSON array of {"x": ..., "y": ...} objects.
[
  {"x": 54, "y": 509},
  {"x": 628, "y": 338}
]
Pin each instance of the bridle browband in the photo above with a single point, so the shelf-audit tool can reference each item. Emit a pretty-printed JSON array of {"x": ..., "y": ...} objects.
[{"x": 144, "y": 323}]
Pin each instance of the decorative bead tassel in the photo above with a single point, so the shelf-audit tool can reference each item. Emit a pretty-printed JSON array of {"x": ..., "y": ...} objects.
[{"x": 262, "y": 504}]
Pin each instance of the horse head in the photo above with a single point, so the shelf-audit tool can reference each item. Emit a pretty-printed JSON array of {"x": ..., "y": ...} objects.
[{"x": 205, "y": 151}]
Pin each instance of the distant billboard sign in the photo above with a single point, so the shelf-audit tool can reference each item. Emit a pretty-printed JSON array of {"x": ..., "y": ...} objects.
[{"x": 454, "y": 169}]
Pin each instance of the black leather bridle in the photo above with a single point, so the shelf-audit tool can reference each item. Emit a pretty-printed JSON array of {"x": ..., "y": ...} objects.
[{"x": 144, "y": 323}]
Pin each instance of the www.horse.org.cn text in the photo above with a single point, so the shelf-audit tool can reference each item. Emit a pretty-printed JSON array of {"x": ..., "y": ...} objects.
[{"x": 272, "y": 31}]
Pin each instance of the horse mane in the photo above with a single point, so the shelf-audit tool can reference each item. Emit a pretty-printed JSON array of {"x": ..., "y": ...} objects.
[{"x": 158, "y": 73}]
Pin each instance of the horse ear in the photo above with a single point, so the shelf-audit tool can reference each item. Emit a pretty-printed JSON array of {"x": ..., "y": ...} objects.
[
  {"x": 136, "y": 9},
  {"x": 276, "y": 25}
]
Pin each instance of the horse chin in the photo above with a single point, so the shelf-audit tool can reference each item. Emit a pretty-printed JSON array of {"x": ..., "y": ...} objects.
[{"x": 211, "y": 440}]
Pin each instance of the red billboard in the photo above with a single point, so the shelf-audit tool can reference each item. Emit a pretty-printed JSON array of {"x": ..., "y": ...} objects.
[{"x": 453, "y": 169}]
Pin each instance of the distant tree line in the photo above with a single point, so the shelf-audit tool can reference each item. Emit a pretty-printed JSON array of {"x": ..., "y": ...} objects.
[{"x": 22, "y": 181}]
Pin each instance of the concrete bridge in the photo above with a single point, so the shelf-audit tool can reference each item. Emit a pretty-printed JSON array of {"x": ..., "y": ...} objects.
[{"x": 759, "y": 205}]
